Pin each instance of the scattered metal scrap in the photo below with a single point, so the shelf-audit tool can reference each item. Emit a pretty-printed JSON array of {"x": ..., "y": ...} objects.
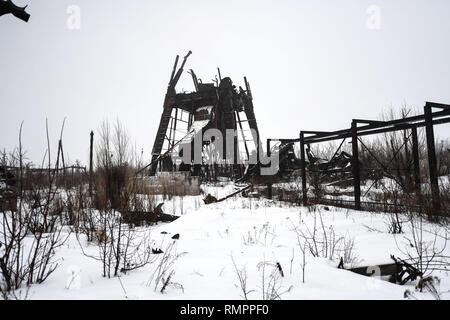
[
  {"x": 400, "y": 271},
  {"x": 334, "y": 170},
  {"x": 141, "y": 218},
  {"x": 211, "y": 199},
  {"x": 288, "y": 162}
]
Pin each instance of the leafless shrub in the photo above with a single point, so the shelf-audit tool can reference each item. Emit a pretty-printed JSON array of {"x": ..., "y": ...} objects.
[
  {"x": 114, "y": 172},
  {"x": 165, "y": 268},
  {"x": 396, "y": 148},
  {"x": 348, "y": 254},
  {"x": 431, "y": 285},
  {"x": 30, "y": 235},
  {"x": 260, "y": 236},
  {"x": 443, "y": 157},
  {"x": 394, "y": 224},
  {"x": 117, "y": 187},
  {"x": 120, "y": 207},
  {"x": 322, "y": 241},
  {"x": 168, "y": 282},
  {"x": 444, "y": 198},
  {"x": 242, "y": 276},
  {"x": 302, "y": 247},
  {"x": 121, "y": 248},
  {"x": 425, "y": 245},
  {"x": 428, "y": 284},
  {"x": 140, "y": 209},
  {"x": 272, "y": 284},
  {"x": 316, "y": 185},
  {"x": 85, "y": 218}
]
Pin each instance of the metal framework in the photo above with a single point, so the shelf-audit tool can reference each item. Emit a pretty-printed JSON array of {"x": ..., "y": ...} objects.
[
  {"x": 361, "y": 127},
  {"x": 219, "y": 103}
]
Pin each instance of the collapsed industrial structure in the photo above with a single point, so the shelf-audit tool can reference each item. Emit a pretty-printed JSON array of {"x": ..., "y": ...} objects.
[
  {"x": 222, "y": 106},
  {"x": 218, "y": 105}
]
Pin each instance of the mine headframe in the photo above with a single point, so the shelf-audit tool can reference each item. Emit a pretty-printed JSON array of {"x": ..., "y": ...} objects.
[{"x": 216, "y": 105}]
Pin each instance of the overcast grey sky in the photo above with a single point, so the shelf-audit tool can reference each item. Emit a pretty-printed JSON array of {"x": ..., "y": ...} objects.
[{"x": 312, "y": 65}]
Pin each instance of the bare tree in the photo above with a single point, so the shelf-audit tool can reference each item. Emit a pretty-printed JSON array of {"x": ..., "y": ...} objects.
[
  {"x": 114, "y": 166},
  {"x": 425, "y": 246},
  {"x": 396, "y": 149},
  {"x": 29, "y": 236}
]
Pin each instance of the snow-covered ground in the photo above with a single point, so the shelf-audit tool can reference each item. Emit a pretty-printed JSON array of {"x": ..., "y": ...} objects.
[{"x": 248, "y": 231}]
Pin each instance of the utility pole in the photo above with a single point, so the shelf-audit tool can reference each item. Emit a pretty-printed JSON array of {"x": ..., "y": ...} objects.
[{"x": 91, "y": 151}]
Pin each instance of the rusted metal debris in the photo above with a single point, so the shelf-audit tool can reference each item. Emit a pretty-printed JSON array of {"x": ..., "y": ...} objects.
[
  {"x": 399, "y": 272},
  {"x": 288, "y": 162},
  {"x": 211, "y": 199},
  {"x": 334, "y": 170},
  {"x": 140, "y": 218}
]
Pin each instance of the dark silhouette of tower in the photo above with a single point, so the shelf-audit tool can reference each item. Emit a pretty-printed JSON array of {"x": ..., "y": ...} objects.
[{"x": 217, "y": 105}]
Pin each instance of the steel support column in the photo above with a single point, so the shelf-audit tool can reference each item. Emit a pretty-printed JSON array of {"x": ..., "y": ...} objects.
[
  {"x": 303, "y": 167},
  {"x": 432, "y": 163},
  {"x": 91, "y": 163},
  {"x": 355, "y": 166}
]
